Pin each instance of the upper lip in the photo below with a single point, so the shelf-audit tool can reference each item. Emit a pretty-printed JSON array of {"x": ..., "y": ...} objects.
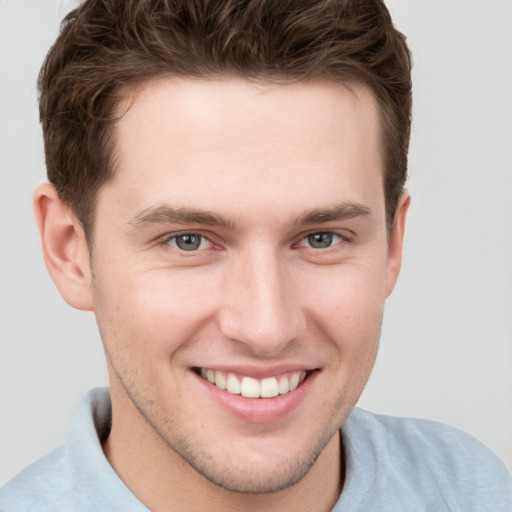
[{"x": 258, "y": 372}]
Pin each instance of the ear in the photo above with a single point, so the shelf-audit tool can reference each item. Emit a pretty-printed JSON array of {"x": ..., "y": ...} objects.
[
  {"x": 64, "y": 246},
  {"x": 396, "y": 240}
]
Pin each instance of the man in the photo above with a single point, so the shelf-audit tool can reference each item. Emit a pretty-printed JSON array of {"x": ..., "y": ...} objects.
[{"x": 227, "y": 197}]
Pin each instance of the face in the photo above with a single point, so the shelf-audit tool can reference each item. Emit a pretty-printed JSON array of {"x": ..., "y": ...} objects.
[{"x": 240, "y": 265}]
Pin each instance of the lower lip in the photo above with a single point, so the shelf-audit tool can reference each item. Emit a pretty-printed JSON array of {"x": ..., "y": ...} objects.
[{"x": 259, "y": 410}]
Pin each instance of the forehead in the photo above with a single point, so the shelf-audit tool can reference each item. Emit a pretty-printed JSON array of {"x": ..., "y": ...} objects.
[
  {"x": 215, "y": 141},
  {"x": 248, "y": 108}
]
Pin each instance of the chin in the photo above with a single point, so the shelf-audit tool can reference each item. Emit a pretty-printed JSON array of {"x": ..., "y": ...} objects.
[
  {"x": 258, "y": 479},
  {"x": 256, "y": 469}
]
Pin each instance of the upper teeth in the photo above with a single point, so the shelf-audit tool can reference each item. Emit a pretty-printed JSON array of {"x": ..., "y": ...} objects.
[{"x": 251, "y": 387}]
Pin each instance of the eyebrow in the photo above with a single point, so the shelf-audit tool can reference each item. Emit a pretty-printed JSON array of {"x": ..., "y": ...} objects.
[
  {"x": 170, "y": 215},
  {"x": 344, "y": 211},
  {"x": 166, "y": 214}
]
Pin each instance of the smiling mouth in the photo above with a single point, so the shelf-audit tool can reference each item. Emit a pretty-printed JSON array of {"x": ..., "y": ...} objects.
[{"x": 250, "y": 387}]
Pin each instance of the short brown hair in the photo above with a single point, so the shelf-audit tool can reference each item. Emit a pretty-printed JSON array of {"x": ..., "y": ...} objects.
[{"x": 108, "y": 46}]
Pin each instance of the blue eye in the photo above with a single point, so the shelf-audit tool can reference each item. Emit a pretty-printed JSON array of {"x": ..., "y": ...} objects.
[
  {"x": 189, "y": 242},
  {"x": 323, "y": 240}
]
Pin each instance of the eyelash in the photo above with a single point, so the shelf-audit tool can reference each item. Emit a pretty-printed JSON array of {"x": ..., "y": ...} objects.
[
  {"x": 168, "y": 239},
  {"x": 333, "y": 234}
]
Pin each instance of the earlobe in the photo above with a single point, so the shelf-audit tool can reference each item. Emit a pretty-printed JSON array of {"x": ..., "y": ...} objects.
[
  {"x": 64, "y": 247},
  {"x": 396, "y": 242}
]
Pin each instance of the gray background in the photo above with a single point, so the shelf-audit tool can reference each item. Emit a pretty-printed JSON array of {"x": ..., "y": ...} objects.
[{"x": 446, "y": 349}]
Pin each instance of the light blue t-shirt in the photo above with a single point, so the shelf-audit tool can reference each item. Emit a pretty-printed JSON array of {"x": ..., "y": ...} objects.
[{"x": 392, "y": 465}]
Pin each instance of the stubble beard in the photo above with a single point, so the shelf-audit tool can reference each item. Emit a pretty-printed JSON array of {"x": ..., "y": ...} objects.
[{"x": 230, "y": 472}]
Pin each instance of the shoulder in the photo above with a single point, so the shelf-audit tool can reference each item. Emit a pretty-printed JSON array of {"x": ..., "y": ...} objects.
[
  {"x": 77, "y": 476},
  {"x": 61, "y": 481},
  {"x": 425, "y": 458},
  {"x": 437, "y": 443},
  {"x": 42, "y": 486}
]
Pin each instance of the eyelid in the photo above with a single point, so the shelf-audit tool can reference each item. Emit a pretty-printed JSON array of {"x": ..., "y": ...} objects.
[
  {"x": 344, "y": 235},
  {"x": 166, "y": 239},
  {"x": 344, "y": 238}
]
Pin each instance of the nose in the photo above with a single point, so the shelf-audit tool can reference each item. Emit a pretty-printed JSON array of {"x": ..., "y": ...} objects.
[{"x": 261, "y": 307}]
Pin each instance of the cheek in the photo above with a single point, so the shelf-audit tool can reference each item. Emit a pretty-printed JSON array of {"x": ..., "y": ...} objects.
[
  {"x": 350, "y": 308},
  {"x": 152, "y": 312}
]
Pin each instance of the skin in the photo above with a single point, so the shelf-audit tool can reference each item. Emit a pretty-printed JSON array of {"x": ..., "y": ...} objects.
[{"x": 271, "y": 165}]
